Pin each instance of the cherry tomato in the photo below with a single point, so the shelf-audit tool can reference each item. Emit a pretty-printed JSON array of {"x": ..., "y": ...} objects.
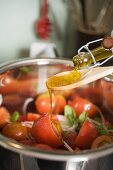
[
  {"x": 59, "y": 103},
  {"x": 4, "y": 116},
  {"x": 101, "y": 141},
  {"x": 19, "y": 86},
  {"x": 32, "y": 116},
  {"x": 42, "y": 147},
  {"x": 6, "y": 79},
  {"x": 43, "y": 104},
  {"x": 47, "y": 131},
  {"x": 22, "y": 118},
  {"x": 15, "y": 131},
  {"x": 69, "y": 138},
  {"x": 13, "y": 100},
  {"x": 28, "y": 142},
  {"x": 86, "y": 135},
  {"x": 79, "y": 105},
  {"x": 93, "y": 92}
]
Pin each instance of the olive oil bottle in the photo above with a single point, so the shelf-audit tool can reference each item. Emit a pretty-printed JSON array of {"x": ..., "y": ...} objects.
[{"x": 84, "y": 59}]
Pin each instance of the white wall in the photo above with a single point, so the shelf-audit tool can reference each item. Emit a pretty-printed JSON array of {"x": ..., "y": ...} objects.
[
  {"x": 16, "y": 27},
  {"x": 17, "y": 19}
]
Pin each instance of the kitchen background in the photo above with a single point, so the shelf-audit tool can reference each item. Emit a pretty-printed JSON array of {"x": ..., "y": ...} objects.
[
  {"x": 69, "y": 32},
  {"x": 17, "y": 20}
]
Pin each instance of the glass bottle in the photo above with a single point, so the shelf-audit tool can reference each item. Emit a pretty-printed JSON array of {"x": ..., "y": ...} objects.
[{"x": 84, "y": 59}]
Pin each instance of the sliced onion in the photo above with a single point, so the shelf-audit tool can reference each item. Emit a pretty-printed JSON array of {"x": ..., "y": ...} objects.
[
  {"x": 26, "y": 103},
  {"x": 1, "y": 99},
  {"x": 28, "y": 123},
  {"x": 67, "y": 146},
  {"x": 65, "y": 124}
]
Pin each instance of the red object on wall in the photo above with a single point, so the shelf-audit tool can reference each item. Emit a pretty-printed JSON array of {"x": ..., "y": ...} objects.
[{"x": 43, "y": 25}]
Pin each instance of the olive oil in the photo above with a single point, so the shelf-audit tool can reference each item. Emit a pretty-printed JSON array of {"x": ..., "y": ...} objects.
[
  {"x": 84, "y": 59},
  {"x": 51, "y": 101},
  {"x": 63, "y": 80}
]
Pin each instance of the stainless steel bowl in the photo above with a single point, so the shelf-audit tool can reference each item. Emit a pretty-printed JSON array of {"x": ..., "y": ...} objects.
[{"x": 41, "y": 70}]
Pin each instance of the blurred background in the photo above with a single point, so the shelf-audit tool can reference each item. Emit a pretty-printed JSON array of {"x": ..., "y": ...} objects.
[
  {"x": 68, "y": 25},
  {"x": 49, "y": 28}
]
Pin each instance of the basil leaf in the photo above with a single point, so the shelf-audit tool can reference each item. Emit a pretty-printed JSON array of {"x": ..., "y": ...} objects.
[
  {"x": 82, "y": 117},
  {"x": 25, "y": 70},
  {"x": 98, "y": 119},
  {"x": 15, "y": 116},
  {"x": 102, "y": 130},
  {"x": 70, "y": 114}
]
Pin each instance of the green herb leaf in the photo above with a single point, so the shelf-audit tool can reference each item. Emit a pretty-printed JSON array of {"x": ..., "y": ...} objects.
[
  {"x": 15, "y": 116},
  {"x": 70, "y": 114},
  {"x": 102, "y": 130},
  {"x": 25, "y": 70},
  {"x": 98, "y": 119},
  {"x": 82, "y": 117},
  {"x": 110, "y": 127}
]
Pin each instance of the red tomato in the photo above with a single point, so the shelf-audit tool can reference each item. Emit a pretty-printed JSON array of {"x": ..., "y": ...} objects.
[
  {"x": 79, "y": 105},
  {"x": 22, "y": 117},
  {"x": 42, "y": 147},
  {"x": 4, "y": 116},
  {"x": 43, "y": 104},
  {"x": 86, "y": 135},
  {"x": 15, "y": 131},
  {"x": 6, "y": 79},
  {"x": 47, "y": 131},
  {"x": 19, "y": 86},
  {"x": 93, "y": 92},
  {"x": 69, "y": 137},
  {"x": 31, "y": 143},
  {"x": 13, "y": 100},
  {"x": 32, "y": 116},
  {"x": 28, "y": 142},
  {"x": 59, "y": 103}
]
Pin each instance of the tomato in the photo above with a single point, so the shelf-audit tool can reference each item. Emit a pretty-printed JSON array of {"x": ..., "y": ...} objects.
[
  {"x": 47, "y": 131},
  {"x": 15, "y": 131},
  {"x": 69, "y": 138},
  {"x": 59, "y": 103},
  {"x": 13, "y": 100},
  {"x": 4, "y": 116},
  {"x": 79, "y": 105},
  {"x": 6, "y": 79},
  {"x": 86, "y": 135},
  {"x": 93, "y": 92},
  {"x": 43, "y": 104},
  {"x": 28, "y": 142},
  {"x": 24, "y": 87},
  {"x": 43, "y": 147},
  {"x": 22, "y": 118},
  {"x": 101, "y": 141},
  {"x": 32, "y": 116},
  {"x": 31, "y": 143}
]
